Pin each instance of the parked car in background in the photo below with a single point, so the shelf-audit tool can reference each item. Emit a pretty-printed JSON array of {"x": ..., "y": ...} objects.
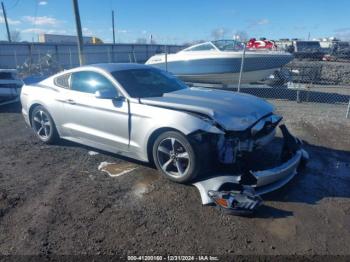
[
  {"x": 339, "y": 51},
  {"x": 10, "y": 86},
  {"x": 308, "y": 49}
]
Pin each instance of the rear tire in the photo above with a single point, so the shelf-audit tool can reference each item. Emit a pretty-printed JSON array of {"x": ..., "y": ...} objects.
[
  {"x": 176, "y": 157},
  {"x": 43, "y": 125}
]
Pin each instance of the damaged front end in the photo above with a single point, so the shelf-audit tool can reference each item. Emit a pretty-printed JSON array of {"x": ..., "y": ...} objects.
[
  {"x": 229, "y": 150},
  {"x": 233, "y": 144}
]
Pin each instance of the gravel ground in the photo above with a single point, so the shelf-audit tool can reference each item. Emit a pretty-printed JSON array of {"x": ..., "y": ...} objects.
[
  {"x": 54, "y": 200},
  {"x": 322, "y": 72}
]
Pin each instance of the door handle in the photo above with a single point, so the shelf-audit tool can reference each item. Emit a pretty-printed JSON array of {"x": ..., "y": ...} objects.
[{"x": 70, "y": 101}]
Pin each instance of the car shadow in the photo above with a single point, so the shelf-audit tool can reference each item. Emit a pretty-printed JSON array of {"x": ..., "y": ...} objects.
[
  {"x": 327, "y": 175},
  {"x": 67, "y": 143},
  {"x": 266, "y": 211}
]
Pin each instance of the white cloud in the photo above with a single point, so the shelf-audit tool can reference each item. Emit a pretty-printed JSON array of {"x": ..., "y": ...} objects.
[
  {"x": 87, "y": 31},
  {"x": 219, "y": 33},
  {"x": 33, "y": 30},
  {"x": 343, "y": 33},
  {"x": 342, "y": 29},
  {"x": 263, "y": 21},
  {"x": 43, "y": 30},
  {"x": 42, "y": 20},
  {"x": 58, "y": 32},
  {"x": 10, "y": 21},
  {"x": 122, "y": 31},
  {"x": 43, "y": 3}
]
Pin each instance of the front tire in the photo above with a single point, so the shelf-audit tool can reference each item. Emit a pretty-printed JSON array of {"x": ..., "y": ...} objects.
[
  {"x": 176, "y": 157},
  {"x": 43, "y": 125}
]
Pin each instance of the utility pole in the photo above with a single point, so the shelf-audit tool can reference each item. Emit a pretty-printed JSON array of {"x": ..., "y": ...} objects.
[
  {"x": 6, "y": 23},
  {"x": 79, "y": 32},
  {"x": 113, "y": 26}
]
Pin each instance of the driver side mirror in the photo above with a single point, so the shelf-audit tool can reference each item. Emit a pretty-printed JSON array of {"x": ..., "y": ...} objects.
[{"x": 106, "y": 94}]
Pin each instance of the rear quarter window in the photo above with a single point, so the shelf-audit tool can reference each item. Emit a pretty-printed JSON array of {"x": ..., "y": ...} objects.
[{"x": 62, "y": 81}]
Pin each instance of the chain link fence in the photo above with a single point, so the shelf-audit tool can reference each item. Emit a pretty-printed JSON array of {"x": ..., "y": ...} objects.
[
  {"x": 47, "y": 59},
  {"x": 310, "y": 78}
]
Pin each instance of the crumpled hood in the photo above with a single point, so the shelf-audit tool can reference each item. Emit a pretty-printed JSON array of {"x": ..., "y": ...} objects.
[{"x": 233, "y": 111}]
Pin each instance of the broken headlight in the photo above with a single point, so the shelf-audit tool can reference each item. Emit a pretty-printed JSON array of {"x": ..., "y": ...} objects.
[
  {"x": 268, "y": 123},
  {"x": 257, "y": 127}
]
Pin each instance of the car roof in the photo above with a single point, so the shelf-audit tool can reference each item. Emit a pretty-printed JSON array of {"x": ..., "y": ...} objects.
[{"x": 112, "y": 67}]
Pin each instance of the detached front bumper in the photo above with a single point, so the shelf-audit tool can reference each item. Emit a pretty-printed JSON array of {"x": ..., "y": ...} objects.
[
  {"x": 264, "y": 181},
  {"x": 274, "y": 178}
]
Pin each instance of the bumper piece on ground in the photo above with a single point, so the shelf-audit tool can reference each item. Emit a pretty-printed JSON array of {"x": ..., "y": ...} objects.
[
  {"x": 260, "y": 182},
  {"x": 214, "y": 184},
  {"x": 243, "y": 203}
]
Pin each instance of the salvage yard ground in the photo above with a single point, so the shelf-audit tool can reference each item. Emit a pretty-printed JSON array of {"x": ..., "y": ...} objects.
[{"x": 54, "y": 200}]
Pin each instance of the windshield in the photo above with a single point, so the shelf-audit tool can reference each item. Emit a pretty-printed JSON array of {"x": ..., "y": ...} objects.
[
  {"x": 228, "y": 45},
  {"x": 139, "y": 83}
]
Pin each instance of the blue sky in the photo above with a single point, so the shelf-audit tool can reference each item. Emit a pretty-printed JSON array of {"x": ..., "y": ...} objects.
[{"x": 178, "y": 21}]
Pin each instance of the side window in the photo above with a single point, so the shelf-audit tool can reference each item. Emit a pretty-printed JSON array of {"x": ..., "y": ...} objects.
[
  {"x": 90, "y": 82},
  {"x": 62, "y": 81}
]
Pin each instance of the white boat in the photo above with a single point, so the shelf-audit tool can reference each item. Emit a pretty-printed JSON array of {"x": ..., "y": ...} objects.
[{"x": 219, "y": 62}]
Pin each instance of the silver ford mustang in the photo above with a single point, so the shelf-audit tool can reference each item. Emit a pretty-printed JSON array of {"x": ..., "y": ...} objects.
[{"x": 147, "y": 114}]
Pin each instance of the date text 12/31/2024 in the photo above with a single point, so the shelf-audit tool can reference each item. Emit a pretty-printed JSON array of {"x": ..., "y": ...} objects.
[{"x": 173, "y": 258}]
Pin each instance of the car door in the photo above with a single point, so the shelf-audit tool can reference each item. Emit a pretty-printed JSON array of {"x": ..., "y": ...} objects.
[{"x": 102, "y": 123}]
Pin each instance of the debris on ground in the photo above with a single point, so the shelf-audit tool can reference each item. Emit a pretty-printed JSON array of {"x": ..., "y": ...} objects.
[
  {"x": 93, "y": 153},
  {"x": 116, "y": 169}
]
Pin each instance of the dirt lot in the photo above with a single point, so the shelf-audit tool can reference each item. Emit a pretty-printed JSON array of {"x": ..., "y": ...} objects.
[{"x": 54, "y": 200}]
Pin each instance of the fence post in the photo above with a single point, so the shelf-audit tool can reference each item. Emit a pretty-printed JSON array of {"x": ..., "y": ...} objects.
[
  {"x": 348, "y": 110},
  {"x": 241, "y": 70},
  {"x": 298, "y": 95},
  {"x": 39, "y": 60},
  {"x": 30, "y": 57},
  {"x": 70, "y": 58},
  {"x": 15, "y": 54},
  {"x": 166, "y": 58},
  {"x": 109, "y": 55},
  {"x": 57, "y": 56},
  {"x": 113, "y": 55},
  {"x": 134, "y": 55}
]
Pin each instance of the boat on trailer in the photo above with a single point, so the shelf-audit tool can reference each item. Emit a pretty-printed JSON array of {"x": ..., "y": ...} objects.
[{"x": 219, "y": 62}]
